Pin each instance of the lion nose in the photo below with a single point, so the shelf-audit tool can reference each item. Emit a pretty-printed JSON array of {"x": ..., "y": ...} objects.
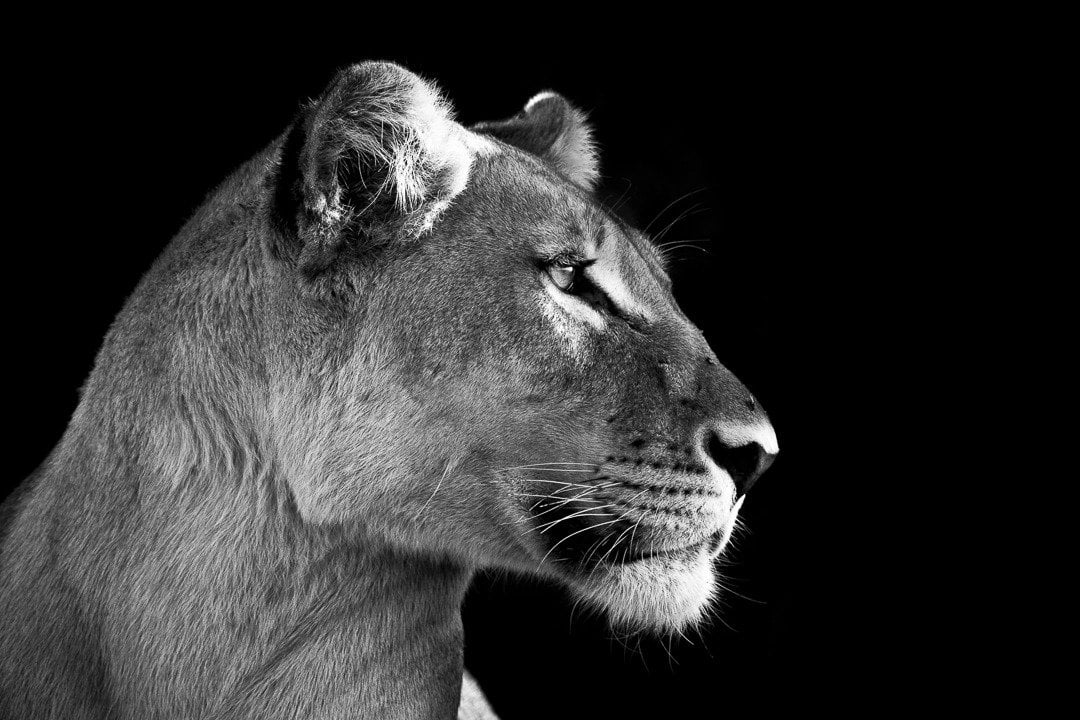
[{"x": 745, "y": 453}]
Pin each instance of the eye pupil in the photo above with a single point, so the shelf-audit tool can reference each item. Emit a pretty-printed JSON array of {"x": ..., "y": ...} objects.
[{"x": 563, "y": 275}]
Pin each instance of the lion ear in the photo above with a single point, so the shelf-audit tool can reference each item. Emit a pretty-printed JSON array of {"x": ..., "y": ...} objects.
[
  {"x": 376, "y": 156},
  {"x": 553, "y": 129}
]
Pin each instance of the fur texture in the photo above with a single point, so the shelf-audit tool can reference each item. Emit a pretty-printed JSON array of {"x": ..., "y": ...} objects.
[{"x": 356, "y": 375}]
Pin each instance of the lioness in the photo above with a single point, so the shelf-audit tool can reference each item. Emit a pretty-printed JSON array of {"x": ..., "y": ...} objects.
[{"x": 388, "y": 351}]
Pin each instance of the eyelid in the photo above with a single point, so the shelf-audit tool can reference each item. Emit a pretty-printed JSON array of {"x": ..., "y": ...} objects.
[{"x": 573, "y": 258}]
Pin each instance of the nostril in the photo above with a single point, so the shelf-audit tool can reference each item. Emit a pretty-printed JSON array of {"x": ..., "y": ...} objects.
[{"x": 744, "y": 463}]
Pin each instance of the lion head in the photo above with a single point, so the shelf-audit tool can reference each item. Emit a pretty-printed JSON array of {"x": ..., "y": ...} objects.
[{"x": 474, "y": 358}]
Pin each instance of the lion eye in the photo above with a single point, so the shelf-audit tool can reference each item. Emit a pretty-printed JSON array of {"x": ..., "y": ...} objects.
[{"x": 562, "y": 275}]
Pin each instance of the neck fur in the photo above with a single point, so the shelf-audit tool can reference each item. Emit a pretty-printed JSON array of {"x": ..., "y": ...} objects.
[
  {"x": 231, "y": 606},
  {"x": 368, "y": 628}
]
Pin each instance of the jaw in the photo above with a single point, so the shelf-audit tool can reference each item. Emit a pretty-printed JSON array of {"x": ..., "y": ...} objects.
[
  {"x": 662, "y": 594},
  {"x": 645, "y": 569}
]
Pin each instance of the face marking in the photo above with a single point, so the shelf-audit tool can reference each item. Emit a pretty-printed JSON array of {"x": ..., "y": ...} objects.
[
  {"x": 605, "y": 275},
  {"x": 571, "y": 333},
  {"x": 606, "y": 271},
  {"x": 574, "y": 306}
]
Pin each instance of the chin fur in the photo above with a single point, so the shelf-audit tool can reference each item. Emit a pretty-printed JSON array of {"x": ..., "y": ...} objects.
[{"x": 662, "y": 595}]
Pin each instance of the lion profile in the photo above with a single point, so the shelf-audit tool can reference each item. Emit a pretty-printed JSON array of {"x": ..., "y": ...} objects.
[{"x": 388, "y": 351}]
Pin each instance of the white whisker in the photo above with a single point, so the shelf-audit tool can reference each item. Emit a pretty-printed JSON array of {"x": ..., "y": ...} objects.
[
  {"x": 584, "y": 512},
  {"x": 577, "y": 532},
  {"x": 559, "y": 470},
  {"x": 446, "y": 471},
  {"x": 560, "y": 482},
  {"x": 562, "y": 502},
  {"x": 541, "y": 465}
]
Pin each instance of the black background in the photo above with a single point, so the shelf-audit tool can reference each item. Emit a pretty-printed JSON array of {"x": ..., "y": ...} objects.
[{"x": 775, "y": 152}]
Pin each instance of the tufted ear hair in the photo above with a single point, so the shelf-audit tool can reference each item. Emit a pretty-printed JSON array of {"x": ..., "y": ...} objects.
[
  {"x": 553, "y": 129},
  {"x": 375, "y": 157}
]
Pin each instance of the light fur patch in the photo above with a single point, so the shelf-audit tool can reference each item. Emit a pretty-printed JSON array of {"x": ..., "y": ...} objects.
[
  {"x": 462, "y": 146},
  {"x": 605, "y": 275},
  {"x": 571, "y": 332},
  {"x": 429, "y": 117},
  {"x": 665, "y": 594},
  {"x": 763, "y": 434},
  {"x": 571, "y": 317},
  {"x": 539, "y": 97},
  {"x": 575, "y": 307},
  {"x": 478, "y": 144},
  {"x": 430, "y": 144}
]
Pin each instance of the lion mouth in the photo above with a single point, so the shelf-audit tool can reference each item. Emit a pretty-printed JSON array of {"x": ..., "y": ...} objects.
[
  {"x": 713, "y": 545},
  {"x": 682, "y": 552},
  {"x": 619, "y": 520}
]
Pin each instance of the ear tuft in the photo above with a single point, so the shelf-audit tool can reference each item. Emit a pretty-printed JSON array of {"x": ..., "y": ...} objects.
[
  {"x": 379, "y": 152},
  {"x": 553, "y": 129}
]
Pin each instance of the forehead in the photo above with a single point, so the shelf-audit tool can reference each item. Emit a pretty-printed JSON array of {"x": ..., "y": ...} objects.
[{"x": 560, "y": 210}]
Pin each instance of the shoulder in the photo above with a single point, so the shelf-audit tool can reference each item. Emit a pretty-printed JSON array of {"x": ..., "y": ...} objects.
[{"x": 474, "y": 705}]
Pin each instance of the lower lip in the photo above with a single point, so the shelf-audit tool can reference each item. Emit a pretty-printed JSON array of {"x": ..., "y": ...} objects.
[{"x": 685, "y": 550}]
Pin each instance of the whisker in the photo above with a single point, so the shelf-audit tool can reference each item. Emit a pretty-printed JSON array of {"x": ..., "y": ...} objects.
[
  {"x": 669, "y": 243},
  {"x": 617, "y": 540},
  {"x": 591, "y": 486},
  {"x": 563, "y": 503},
  {"x": 446, "y": 471},
  {"x": 545, "y": 498},
  {"x": 612, "y": 208},
  {"x": 559, "y": 482},
  {"x": 589, "y": 552},
  {"x": 558, "y": 470},
  {"x": 584, "y": 512},
  {"x": 539, "y": 465},
  {"x": 669, "y": 206},
  {"x": 695, "y": 210},
  {"x": 614, "y": 545},
  {"x": 561, "y": 499},
  {"x": 576, "y": 532},
  {"x": 564, "y": 500},
  {"x": 671, "y": 247},
  {"x": 633, "y": 532},
  {"x": 737, "y": 594}
]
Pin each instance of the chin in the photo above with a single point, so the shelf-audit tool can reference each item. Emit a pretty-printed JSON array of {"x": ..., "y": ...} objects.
[{"x": 662, "y": 594}]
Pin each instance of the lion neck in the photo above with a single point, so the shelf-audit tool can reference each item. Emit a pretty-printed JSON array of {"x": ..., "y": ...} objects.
[
  {"x": 369, "y": 628},
  {"x": 323, "y": 618}
]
